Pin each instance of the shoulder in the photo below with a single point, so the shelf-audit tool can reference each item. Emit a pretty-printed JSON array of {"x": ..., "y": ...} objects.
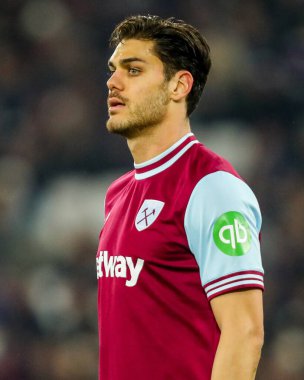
[
  {"x": 118, "y": 185},
  {"x": 205, "y": 161},
  {"x": 200, "y": 166},
  {"x": 221, "y": 192}
]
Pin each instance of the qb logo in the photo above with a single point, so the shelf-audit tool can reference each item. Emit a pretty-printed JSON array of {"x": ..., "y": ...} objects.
[{"x": 231, "y": 234}]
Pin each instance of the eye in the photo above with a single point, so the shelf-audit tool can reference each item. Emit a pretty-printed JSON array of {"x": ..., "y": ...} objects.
[{"x": 134, "y": 71}]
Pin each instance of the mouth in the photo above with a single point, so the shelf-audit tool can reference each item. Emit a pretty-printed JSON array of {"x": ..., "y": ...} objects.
[{"x": 115, "y": 104}]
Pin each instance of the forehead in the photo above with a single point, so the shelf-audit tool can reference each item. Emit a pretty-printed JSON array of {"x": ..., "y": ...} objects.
[{"x": 132, "y": 48}]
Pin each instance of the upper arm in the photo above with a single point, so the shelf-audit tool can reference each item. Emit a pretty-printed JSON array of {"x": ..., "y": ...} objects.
[
  {"x": 222, "y": 223},
  {"x": 239, "y": 311}
]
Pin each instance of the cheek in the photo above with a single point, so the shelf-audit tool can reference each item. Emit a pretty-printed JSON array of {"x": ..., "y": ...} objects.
[{"x": 147, "y": 92}]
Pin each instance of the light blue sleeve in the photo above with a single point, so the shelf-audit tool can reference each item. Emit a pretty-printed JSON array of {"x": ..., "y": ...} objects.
[{"x": 222, "y": 224}]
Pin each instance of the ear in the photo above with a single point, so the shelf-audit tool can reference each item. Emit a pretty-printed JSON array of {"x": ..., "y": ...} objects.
[{"x": 182, "y": 83}]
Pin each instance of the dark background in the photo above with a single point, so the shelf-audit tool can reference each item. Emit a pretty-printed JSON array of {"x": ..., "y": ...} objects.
[{"x": 56, "y": 161}]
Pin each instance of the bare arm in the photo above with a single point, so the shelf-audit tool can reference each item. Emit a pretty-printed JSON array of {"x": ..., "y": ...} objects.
[{"x": 240, "y": 318}]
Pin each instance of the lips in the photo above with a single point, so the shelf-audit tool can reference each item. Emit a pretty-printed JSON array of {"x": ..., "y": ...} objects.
[{"x": 115, "y": 103}]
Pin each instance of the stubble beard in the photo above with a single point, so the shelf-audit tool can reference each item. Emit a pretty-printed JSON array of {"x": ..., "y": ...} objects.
[{"x": 143, "y": 115}]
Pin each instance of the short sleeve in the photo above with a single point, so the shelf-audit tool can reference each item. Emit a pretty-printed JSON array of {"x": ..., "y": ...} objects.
[{"x": 222, "y": 224}]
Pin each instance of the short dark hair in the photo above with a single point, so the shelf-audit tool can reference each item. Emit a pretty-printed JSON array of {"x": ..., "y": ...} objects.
[{"x": 178, "y": 45}]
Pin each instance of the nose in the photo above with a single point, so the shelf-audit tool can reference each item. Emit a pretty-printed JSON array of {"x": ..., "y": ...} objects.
[{"x": 115, "y": 82}]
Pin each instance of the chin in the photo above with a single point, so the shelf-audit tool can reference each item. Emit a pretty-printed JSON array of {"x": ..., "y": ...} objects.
[
  {"x": 128, "y": 131},
  {"x": 112, "y": 125},
  {"x": 118, "y": 128}
]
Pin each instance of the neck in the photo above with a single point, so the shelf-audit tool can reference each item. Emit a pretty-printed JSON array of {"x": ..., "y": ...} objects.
[{"x": 152, "y": 142}]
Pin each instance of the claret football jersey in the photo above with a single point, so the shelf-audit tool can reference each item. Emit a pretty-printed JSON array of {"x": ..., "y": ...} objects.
[{"x": 180, "y": 229}]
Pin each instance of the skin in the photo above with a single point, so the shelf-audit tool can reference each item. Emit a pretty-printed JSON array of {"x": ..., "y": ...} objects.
[
  {"x": 240, "y": 318},
  {"x": 154, "y": 115},
  {"x": 152, "y": 118}
]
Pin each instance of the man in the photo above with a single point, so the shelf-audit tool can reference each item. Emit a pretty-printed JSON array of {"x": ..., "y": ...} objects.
[{"x": 178, "y": 265}]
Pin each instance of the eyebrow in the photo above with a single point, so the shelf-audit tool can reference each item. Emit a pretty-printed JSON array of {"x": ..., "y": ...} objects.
[{"x": 125, "y": 61}]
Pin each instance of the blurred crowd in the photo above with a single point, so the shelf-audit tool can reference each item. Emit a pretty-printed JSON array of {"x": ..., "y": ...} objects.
[{"x": 56, "y": 161}]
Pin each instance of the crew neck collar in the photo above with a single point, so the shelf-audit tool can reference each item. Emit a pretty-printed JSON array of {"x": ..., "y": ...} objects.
[{"x": 164, "y": 160}]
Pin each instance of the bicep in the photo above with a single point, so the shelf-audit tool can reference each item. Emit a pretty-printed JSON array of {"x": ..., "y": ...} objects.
[{"x": 239, "y": 311}]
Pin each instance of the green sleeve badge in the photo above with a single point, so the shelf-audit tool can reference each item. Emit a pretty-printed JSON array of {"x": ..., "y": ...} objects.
[{"x": 231, "y": 234}]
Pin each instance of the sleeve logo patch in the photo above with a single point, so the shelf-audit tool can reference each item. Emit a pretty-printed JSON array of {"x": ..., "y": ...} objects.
[{"x": 231, "y": 234}]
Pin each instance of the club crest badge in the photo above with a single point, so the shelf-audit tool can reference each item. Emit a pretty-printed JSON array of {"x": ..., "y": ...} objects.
[{"x": 148, "y": 213}]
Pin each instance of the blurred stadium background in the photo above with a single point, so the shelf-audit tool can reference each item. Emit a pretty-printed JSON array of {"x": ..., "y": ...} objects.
[{"x": 56, "y": 161}]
